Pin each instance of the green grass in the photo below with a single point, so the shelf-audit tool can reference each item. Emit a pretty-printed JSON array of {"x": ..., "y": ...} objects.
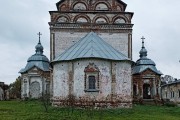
[{"x": 34, "y": 110}]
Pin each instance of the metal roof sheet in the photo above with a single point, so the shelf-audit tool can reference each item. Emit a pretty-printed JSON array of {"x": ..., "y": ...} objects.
[
  {"x": 142, "y": 68},
  {"x": 144, "y": 63},
  {"x": 37, "y": 60},
  {"x": 91, "y": 46},
  {"x": 171, "y": 83}
]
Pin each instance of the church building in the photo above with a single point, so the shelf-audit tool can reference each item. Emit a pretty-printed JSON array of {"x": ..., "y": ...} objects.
[
  {"x": 36, "y": 75},
  {"x": 91, "y": 52},
  {"x": 146, "y": 78}
]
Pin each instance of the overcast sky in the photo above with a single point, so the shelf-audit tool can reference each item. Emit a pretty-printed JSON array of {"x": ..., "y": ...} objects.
[{"x": 157, "y": 20}]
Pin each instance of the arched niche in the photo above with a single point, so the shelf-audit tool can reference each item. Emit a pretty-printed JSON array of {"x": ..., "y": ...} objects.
[
  {"x": 100, "y": 20},
  {"x": 81, "y": 20},
  {"x": 62, "y": 19},
  {"x": 62, "y": 8},
  {"x": 79, "y": 6},
  {"x": 35, "y": 89},
  {"x": 101, "y": 6},
  {"x": 120, "y": 20},
  {"x": 119, "y": 8}
]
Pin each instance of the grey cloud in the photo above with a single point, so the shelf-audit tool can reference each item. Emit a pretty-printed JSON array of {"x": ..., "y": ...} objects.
[{"x": 157, "y": 20}]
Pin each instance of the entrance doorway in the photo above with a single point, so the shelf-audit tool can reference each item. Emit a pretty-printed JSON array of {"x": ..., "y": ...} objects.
[{"x": 146, "y": 91}]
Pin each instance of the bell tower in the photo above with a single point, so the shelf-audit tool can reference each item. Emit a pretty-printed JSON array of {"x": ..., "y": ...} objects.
[{"x": 75, "y": 18}]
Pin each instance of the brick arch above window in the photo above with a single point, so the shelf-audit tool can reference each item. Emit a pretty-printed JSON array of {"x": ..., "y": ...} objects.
[
  {"x": 102, "y": 5},
  {"x": 82, "y": 19},
  {"x": 79, "y": 5},
  {"x": 101, "y": 19}
]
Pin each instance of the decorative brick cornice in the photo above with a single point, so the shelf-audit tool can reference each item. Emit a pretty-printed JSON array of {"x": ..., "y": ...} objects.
[{"x": 90, "y": 26}]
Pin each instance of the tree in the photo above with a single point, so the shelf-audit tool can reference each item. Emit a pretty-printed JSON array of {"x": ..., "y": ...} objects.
[{"x": 15, "y": 88}]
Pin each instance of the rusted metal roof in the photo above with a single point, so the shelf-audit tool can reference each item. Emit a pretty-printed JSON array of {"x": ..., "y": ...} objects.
[{"x": 91, "y": 46}]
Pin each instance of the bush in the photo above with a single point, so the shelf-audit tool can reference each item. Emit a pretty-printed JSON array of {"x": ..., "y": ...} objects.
[{"x": 170, "y": 104}]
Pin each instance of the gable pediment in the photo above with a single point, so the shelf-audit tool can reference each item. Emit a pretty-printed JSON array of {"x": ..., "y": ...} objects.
[
  {"x": 91, "y": 5},
  {"x": 34, "y": 70},
  {"x": 148, "y": 71}
]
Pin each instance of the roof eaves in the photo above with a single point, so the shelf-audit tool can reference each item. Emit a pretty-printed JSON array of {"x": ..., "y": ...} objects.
[{"x": 53, "y": 62}]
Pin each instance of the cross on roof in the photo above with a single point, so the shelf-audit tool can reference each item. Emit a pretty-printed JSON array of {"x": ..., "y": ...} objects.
[
  {"x": 39, "y": 34},
  {"x": 143, "y": 38}
]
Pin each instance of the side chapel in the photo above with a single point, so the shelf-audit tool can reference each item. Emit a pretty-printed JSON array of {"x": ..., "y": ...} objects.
[
  {"x": 36, "y": 75},
  {"x": 91, "y": 52},
  {"x": 146, "y": 78}
]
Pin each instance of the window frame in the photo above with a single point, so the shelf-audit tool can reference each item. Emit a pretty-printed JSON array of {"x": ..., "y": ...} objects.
[
  {"x": 91, "y": 82},
  {"x": 172, "y": 94},
  {"x": 91, "y": 70}
]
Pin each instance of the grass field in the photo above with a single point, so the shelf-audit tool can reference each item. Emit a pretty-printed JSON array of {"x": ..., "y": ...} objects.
[{"x": 34, "y": 110}]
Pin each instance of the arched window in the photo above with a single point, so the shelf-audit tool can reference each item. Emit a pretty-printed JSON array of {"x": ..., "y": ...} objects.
[
  {"x": 101, "y": 6},
  {"x": 79, "y": 6}
]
